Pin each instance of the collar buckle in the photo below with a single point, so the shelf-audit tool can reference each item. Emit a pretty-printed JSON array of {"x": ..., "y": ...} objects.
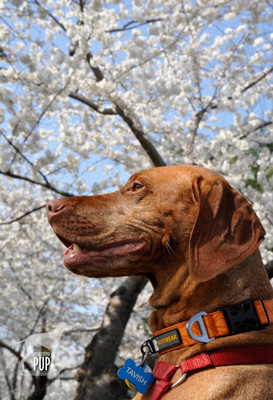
[{"x": 243, "y": 317}]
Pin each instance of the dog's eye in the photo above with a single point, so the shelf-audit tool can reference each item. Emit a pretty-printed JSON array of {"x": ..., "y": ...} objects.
[{"x": 137, "y": 186}]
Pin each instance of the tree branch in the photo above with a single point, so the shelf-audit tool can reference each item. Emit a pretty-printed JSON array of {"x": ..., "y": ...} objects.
[
  {"x": 45, "y": 185},
  {"x": 44, "y": 111},
  {"x": 128, "y": 26},
  {"x": 263, "y": 125},
  {"x": 51, "y": 15},
  {"x": 23, "y": 216},
  {"x": 62, "y": 371},
  {"x": 250, "y": 85},
  {"x": 84, "y": 100},
  {"x": 42, "y": 308},
  {"x": 18, "y": 281},
  {"x": 18, "y": 151},
  {"x": 96, "y": 70},
  {"x": 199, "y": 116},
  {"x": 6, "y": 374},
  {"x": 16, "y": 354},
  {"x": 257, "y": 80},
  {"x": 81, "y": 4},
  {"x": 149, "y": 148}
]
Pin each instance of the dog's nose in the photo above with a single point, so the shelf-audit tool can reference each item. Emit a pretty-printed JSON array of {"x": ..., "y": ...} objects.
[{"x": 54, "y": 207}]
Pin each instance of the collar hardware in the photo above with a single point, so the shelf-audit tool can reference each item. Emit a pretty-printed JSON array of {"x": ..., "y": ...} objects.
[
  {"x": 181, "y": 380},
  {"x": 149, "y": 347},
  {"x": 250, "y": 315},
  {"x": 204, "y": 338},
  {"x": 243, "y": 317}
]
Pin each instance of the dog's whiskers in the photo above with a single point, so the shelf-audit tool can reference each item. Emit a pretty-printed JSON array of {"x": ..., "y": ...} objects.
[{"x": 169, "y": 249}]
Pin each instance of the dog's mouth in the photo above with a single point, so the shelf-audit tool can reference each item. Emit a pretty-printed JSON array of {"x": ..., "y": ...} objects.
[{"x": 75, "y": 254}]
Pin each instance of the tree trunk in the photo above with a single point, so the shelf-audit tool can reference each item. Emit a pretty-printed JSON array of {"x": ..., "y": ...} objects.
[
  {"x": 98, "y": 375},
  {"x": 39, "y": 389}
]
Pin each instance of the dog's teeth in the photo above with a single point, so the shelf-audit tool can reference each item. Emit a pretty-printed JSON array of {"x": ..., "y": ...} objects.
[{"x": 76, "y": 248}]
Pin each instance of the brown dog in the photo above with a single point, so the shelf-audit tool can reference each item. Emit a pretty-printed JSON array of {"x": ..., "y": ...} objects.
[{"x": 196, "y": 239}]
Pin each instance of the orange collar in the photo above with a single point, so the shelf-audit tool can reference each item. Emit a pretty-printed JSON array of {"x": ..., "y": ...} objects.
[{"x": 250, "y": 315}]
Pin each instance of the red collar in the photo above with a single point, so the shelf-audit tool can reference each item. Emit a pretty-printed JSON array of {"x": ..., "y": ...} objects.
[
  {"x": 250, "y": 315},
  {"x": 164, "y": 371}
]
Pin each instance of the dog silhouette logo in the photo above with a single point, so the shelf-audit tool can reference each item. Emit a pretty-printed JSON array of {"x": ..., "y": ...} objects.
[{"x": 43, "y": 360}]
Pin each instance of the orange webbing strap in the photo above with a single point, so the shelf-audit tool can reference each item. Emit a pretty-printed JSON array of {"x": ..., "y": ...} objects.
[
  {"x": 261, "y": 312},
  {"x": 215, "y": 324}
]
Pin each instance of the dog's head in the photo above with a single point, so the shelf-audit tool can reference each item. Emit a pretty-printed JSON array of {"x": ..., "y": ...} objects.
[{"x": 171, "y": 215}]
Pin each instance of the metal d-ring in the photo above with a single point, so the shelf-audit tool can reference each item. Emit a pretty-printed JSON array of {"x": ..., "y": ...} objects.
[{"x": 182, "y": 379}]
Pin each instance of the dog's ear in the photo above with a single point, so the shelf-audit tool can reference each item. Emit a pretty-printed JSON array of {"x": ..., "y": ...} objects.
[{"x": 226, "y": 230}]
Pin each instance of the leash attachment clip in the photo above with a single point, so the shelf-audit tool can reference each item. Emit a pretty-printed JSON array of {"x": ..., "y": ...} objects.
[
  {"x": 138, "y": 376},
  {"x": 149, "y": 347}
]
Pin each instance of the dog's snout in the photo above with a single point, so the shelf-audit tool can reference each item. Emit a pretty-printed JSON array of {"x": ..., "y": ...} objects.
[{"x": 54, "y": 207}]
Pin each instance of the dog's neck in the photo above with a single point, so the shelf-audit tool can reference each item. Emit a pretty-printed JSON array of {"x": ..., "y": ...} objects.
[{"x": 177, "y": 297}]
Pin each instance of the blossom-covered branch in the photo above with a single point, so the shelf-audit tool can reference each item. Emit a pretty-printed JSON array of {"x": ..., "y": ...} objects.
[{"x": 46, "y": 185}]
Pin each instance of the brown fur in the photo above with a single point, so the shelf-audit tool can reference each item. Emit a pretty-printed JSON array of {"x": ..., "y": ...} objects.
[{"x": 197, "y": 242}]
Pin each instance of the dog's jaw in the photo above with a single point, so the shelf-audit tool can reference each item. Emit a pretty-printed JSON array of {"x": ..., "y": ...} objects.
[{"x": 92, "y": 262}]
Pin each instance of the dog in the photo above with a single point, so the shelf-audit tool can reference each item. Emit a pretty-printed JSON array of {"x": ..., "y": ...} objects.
[
  {"x": 196, "y": 239},
  {"x": 49, "y": 340}
]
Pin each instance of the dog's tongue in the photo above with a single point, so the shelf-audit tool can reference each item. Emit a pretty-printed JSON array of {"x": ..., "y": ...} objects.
[
  {"x": 68, "y": 249},
  {"x": 74, "y": 248}
]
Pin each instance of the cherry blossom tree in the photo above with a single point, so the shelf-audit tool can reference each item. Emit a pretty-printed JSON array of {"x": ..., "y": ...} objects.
[{"x": 93, "y": 91}]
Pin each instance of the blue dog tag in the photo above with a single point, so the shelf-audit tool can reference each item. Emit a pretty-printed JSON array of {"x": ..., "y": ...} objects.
[{"x": 136, "y": 377}]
